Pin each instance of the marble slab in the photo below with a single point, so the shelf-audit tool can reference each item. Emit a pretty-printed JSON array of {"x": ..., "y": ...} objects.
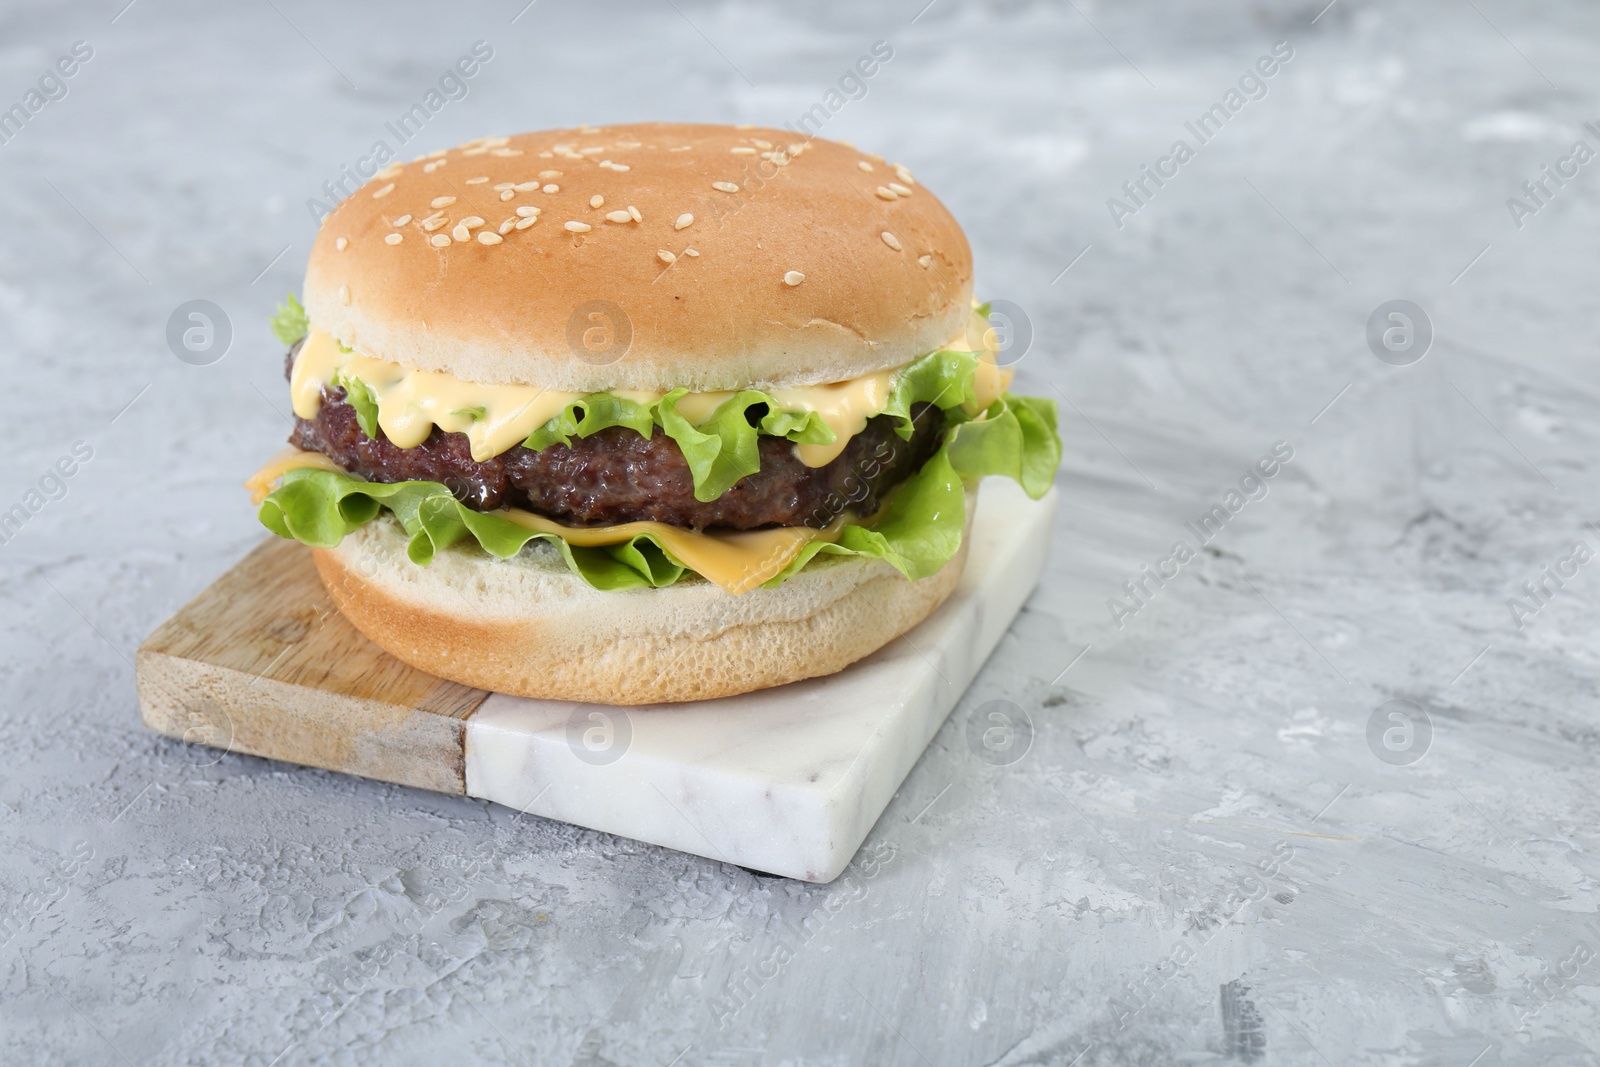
[{"x": 788, "y": 780}]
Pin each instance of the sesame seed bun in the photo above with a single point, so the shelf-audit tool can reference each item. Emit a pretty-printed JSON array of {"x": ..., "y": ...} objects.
[
  {"x": 811, "y": 262},
  {"x": 529, "y": 627}
]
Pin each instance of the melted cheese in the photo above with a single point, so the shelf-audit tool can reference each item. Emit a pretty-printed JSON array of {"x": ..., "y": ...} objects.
[
  {"x": 412, "y": 402},
  {"x": 844, "y": 406},
  {"x": 738, "y": 562},
  {"x": 991, "y": 380},
  {"x": 495, "y": 418}
]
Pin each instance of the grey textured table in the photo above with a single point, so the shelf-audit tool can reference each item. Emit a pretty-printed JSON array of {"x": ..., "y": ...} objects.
[{"x": 1220, "y": 843}]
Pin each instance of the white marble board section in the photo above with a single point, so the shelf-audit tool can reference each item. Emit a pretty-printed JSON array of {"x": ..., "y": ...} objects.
[{"x": 786, "y": 780}]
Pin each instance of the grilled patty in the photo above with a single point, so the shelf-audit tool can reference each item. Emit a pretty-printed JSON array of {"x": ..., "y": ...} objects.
[{"x": 616, "y": 475}]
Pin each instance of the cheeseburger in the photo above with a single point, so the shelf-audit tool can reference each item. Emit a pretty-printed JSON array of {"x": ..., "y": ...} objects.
[{"x": 642, "y": 413}]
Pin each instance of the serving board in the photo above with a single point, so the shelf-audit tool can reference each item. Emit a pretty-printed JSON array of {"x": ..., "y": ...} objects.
[{"x": 787, "y": 780}]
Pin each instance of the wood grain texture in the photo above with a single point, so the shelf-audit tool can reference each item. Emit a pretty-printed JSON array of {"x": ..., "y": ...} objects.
[{"x": 261, "y": 662}]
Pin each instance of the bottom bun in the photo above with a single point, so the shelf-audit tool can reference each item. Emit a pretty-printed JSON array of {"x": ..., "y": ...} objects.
[{"x": 529, "y": 627}]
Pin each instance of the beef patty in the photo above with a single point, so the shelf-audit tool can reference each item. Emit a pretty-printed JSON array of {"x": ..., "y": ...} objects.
[{"x": 617, "y": 475}]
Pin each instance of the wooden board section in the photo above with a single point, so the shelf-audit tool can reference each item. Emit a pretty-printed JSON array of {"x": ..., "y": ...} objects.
[{"x": 261, "y": 662}]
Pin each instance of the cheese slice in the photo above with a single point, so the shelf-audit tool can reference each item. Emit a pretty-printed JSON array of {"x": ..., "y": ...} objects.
[
  {"x": 738, "y": 561},
  {"x": 289, "y": 459}
]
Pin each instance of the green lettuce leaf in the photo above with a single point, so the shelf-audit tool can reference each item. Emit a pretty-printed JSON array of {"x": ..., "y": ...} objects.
[
  {"x": 290, "y": 323},
  {"x": 359, "y": 395},
  {"x": 944, "y": 379},
  {"x": 917, "y": 531},
  {"x": 320, "y": 508},
  {"x": 591, "y": 414},
  {"x": 723, "y": 449},
  {"x": 919, "y": 528}
]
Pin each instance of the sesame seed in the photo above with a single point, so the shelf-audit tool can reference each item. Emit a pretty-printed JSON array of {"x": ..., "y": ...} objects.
[
  {"x": 487, "y": 238},
  {"x": 434, "y": 222},
  {"x": 391, "y": 171},
  {"x": 897, "y": 187},
  {"x": 759, "y": 143},
  {"x": 505, "y": 227},
  {"x": 439, "y": 240},
  {"x": 552, "y": 188},
  {"x": 480, "y": 151},
  {"x": 507, "y": 195},
  {"x": 633, "y": 211},
  {"x": 461, "y": 233},
  {"x": 904, "y": 175},
  {"x": 472, "y": 222},
  {"x": 605, "y": 163},
  {"x": 344, "y": 295},
  {"x": 742, "y": 150},
  {"x": 528, "y": 212},
  {"x": 725, "y": 187},
  {"x": 887, "y": 194},
  {"x": 794, "y": 277},
  {"x": 684, "y": 221},
  {"x": 501, "y": 187},
  {"x": 549, "y": 174},
  {"x": 383, "y": 192},
  {"x": 596, "y": 200},
  {"x": 441, "y": 201},
  {"x": 620, "y": 167},
  {"x": 618, "y": 216},
  {"x": 436, "y": 154},
  {"x": 924, "y": 262},
  {"x": 393, "y": 239},
  {"x": 342, "y": 243},
  {"x": 526, "y": 187},
  {"x": 477, "y": 181},
  {"x": 592, "y": 150},
  {"x": 690, "y": 252},
  {"x": 780, "y": 158},
  {"x": 864, "y": 165},
  {"x": 891, "y": 240},
  {"x": 402, "y": 220},
  {"x": 506, "y": 152},
  {"x": 529, "y": 221},
  {"x": 666, "y": 257},
  {"x": 496, "y": 142},
  {"x": 577, "y": 227}
]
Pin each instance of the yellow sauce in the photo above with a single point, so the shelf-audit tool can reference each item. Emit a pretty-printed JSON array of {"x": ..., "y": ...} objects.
[{"x": 498, "y": 417}]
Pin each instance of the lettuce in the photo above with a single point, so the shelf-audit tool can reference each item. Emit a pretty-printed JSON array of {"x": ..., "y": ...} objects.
[
  {"x": 359, "y": 396},
  {"x": 917, "y": 531},
  {"x": 290, "y": 323},
  {"x": 944, "y": 379}
]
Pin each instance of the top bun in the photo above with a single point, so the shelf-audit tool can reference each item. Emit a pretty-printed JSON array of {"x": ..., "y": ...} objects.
[{"x": 815, "y": 263}]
